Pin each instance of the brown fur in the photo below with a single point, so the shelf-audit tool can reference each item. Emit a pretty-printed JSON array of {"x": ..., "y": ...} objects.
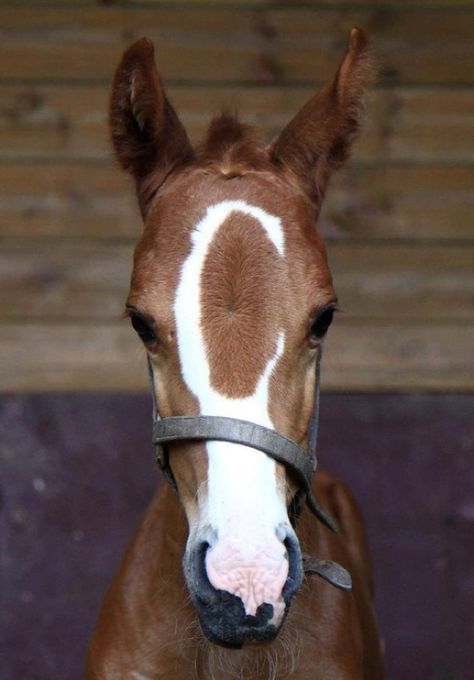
[
  {"x": 240, "y": 261},
  {"x": 147, "y": 625}
]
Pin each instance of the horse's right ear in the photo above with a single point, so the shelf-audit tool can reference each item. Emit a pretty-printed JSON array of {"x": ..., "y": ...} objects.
[{"x": 147, "y": 135}]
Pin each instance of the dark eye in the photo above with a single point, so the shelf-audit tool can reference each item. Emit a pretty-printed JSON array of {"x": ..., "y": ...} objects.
[
  {"x": 142, "y": 327},
  {"x": 321, "y": 324}
]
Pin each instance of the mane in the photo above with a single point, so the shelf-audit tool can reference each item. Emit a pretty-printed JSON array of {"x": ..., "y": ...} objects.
[{"x": 232, "y": 147}]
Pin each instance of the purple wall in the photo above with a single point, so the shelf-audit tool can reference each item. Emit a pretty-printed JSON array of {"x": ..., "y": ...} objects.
[{"x": 77, "y": 472}]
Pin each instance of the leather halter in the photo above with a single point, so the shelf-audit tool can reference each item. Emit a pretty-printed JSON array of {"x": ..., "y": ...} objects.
[{"x": 301, "y": 463}]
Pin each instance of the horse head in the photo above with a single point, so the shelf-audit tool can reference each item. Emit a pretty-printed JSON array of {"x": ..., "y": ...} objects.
[{"x": 232, "y": 296}]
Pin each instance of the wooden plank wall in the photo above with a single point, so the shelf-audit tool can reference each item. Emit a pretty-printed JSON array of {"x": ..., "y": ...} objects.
[{"x": 399, "y": 220}]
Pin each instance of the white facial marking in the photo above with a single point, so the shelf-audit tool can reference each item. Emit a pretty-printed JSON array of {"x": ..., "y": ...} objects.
[{"x": 243, "y": 503}]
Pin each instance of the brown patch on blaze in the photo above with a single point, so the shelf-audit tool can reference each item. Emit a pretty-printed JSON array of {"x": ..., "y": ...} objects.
[{"x": 240, "y": 305}]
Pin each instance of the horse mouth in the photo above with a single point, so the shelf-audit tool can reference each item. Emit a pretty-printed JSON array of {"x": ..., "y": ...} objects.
[{"x": 232, "y": 628}]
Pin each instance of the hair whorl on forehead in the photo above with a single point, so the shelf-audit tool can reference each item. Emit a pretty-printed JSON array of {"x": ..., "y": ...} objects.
[{"x": 232, "y": 146}]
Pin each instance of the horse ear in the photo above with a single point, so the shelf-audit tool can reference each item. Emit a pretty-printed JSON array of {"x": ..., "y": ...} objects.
[
  {"x": 147, "y": 135},
  {"x": 318, "y": 139}
]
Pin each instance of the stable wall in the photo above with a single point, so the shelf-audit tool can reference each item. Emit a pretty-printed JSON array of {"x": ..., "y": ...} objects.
[
  {"x": 398, "y": 220},
  {"x": 76, "y": 469}
]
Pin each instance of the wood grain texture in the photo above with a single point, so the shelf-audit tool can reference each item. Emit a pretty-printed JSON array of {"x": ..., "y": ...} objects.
[
  {"x": 260, "y": 45},
  {"x": 403, "y": 125},
  {"x": 63, "y": 356},
  {"x": 258, "y": 4},
  {"x": 397, "y": 201},
  {"x": 83, "y": 200},
  {"x": 399, "y": 218}
]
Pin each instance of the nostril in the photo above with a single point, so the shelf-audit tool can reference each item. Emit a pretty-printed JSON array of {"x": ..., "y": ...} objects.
[
  {"x": 196, "y": 574},
  {"x": 201, "y": 555},
  {"x": 295, "y": 568}
]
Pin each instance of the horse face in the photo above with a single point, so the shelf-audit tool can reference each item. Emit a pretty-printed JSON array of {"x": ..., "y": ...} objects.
[
  {"x": 232, "y": 295},
  {"x": 225, "y": 302}
]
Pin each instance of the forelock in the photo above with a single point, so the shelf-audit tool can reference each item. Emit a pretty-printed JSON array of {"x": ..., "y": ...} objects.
[{"x": 232, "y": 147}]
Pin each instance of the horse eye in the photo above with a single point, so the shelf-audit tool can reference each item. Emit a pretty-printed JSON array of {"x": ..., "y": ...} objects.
[
  {"x": 320, "y": 325},
  {"x": 142, "y": 327}
]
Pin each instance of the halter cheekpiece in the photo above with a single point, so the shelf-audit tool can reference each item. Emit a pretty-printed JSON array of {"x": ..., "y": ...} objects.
[{"x": 302, "y": 464}]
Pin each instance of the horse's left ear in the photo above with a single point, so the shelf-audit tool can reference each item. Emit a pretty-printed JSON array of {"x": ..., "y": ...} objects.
[
  {"x": 148, "y": 138},
  {"x": 318, "y": 139}
]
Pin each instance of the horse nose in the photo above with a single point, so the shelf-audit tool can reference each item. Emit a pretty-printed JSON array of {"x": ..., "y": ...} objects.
[
  {"x": 229, "y": 616},
  {"x": 295, "y": 567}
]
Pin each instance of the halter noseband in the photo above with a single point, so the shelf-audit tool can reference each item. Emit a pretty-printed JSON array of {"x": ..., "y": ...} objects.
[{"x": 301, "y": 463}]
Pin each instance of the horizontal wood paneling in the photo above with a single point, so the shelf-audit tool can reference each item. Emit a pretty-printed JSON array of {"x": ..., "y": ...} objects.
[
  {"x": 89, "y": 282},
  {"x": 375, "y": 356},
  {"x": 180, "y": 4},
  {"x": 261, "y": 45},
  {"x": 382, "y": 202},
  {"x": 398, "y": 219},
  {"x": 402, "y": 283},
  {"x": 390, "y": 201},
  {"x": 404, "y": 124},
  {"x": 81, "y": 281},
  {"x": 359, "y": 356},
  {"x": 67, "y": 200},
  {"x": 43, "y": 357}
]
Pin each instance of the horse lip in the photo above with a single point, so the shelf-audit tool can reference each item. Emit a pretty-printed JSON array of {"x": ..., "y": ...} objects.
[{"x": 240, "y": 637}]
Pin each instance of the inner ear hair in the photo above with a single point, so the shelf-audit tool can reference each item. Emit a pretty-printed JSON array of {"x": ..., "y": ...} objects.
[
  {"x": 318, "y": 139},
  {"x": 148, "y": 138}
]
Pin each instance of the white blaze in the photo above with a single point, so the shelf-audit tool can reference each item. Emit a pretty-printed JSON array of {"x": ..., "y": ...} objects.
[{"x": 244, "y": 507}]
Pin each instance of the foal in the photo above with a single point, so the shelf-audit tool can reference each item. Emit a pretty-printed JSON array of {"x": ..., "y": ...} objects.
[{"x": 232, "y": 296}]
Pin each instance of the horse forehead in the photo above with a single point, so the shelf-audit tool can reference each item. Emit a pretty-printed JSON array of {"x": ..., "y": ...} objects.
[
  {"x": 237, "y": 258},
  {"x": 201, "y": 204},
  {"x": 219, "y": 213},
  {"x": 230, "y": 296}
]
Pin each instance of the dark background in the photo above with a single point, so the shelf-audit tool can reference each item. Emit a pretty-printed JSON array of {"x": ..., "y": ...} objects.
[{"x": 78, "y": 473}]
